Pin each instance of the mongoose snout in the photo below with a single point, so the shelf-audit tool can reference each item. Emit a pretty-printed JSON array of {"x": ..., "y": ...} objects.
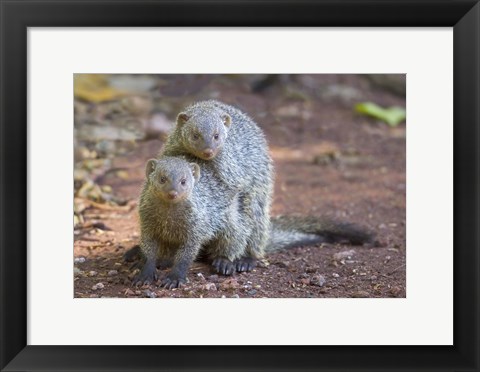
[
  {"x": 172, "y": 194},
  {"x": 208, "y": 153}
]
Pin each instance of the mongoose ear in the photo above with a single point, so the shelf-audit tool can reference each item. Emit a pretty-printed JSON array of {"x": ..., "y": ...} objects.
[
  {"x": 150, "y": 167},
  {"x": 182, "y": 118},
  {"x": 195, "y": 171},
  {"x": 227, "y": 120}
]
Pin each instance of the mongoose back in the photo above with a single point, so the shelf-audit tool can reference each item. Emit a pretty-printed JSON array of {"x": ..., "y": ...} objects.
[{"x": 232, "y": 146}]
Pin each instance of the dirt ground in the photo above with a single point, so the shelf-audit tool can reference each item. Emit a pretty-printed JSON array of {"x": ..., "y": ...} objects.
[{"x": 328, "y": 160}]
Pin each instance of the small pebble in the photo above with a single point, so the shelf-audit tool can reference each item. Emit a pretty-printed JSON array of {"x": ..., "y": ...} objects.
[
  {"x": 79, "y": 260},
  {"x": 112, "y": 272},
  {"x": 213, "y": 278},
  {"x": 345, "y": 254},
  {"x": 361, "y": 294},
  {"x": 395, "y": 291},
  {"x": 201, "y": 277},
  {"x": 149, "y": 293},
  {"x": 318, "y": 280},
  {"x": 77, "y": 271},
  {"x": 98, "y": 286},
  {"x": 253, "y": 292},
  {"x": 335, "y": 275},
  {"x": 230, "y": 283},
  {"x": 92, "y": 273},
  {"x": 235, "y": 296},
  {"x": 210, "y": 287}
]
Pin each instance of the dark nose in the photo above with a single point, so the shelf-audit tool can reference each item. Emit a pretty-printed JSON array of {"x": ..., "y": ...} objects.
[
  {"x": 172, "y": 194},
  {"x": 208, "y": 153}
]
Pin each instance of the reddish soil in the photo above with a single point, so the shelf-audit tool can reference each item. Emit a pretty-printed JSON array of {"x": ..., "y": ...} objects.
[{"x": 328, "y": 161}]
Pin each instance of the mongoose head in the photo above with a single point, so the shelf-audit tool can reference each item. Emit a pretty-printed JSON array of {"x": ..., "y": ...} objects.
[
  {"x": 203, "y": 133},
  {"x": 172, "y": 179}
]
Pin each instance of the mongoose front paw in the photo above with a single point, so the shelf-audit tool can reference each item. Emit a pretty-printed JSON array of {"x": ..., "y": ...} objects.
[
  {"x": 146, "y": 276},
  {"x": 223, "y": 266},
  {"x": 172, "y": 281},
  {"x": 245, "y": 264}
]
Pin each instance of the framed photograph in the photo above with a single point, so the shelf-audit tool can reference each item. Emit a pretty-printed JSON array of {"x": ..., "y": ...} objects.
[{"x": 256, "y": 185}]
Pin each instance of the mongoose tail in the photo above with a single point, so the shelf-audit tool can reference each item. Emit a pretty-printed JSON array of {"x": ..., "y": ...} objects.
[{"x": 294, "y": 231}]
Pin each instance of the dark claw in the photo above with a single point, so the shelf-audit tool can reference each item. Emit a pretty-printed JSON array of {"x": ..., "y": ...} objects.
[
  {"x": 172, "y": 281},
  {"x": 245, "y": 264},
  {"x": 223, "y": 266}
]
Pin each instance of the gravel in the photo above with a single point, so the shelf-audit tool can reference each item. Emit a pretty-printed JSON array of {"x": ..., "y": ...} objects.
[{"x": 318, "y": 280}]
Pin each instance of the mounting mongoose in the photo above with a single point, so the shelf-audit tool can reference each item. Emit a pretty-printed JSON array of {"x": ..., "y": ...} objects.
[
  {"x": 185, "y": 210},
  {"x": 234, "y": 149}
]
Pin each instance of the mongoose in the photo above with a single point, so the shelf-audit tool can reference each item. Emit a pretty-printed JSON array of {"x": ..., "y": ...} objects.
[
  {"x": 232, "y": 146},
  {"x": 181, "y": 212},
  {"x": 184, "y": 210}
]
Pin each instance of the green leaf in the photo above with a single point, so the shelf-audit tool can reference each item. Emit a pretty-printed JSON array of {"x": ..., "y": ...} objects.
[{"x": 392, "y": 115}]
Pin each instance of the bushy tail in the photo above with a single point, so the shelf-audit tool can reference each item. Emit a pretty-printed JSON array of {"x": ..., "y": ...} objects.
[{"x": 294, "y": 231}]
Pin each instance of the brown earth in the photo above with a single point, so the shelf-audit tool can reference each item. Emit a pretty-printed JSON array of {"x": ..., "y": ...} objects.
[{"x": 328, "y": 160}]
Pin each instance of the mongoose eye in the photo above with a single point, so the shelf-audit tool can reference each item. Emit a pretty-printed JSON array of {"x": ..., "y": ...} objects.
[
  {"x": 216, "y": 136},
  {"x": 183, "y": 181},
  {"x": 163, "y": 179},
  {"x": 195, "y": 137}
]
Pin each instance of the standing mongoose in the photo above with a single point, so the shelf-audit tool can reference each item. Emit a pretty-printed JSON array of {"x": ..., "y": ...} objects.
[
  {"x": 232, "y": 146},
  {"x": 184, "y": 211}
]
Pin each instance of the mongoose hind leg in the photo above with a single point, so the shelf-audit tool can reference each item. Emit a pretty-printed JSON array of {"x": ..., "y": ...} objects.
[
  {"x": 225, "y": 250},
  {"x": 256, "y": 210}
]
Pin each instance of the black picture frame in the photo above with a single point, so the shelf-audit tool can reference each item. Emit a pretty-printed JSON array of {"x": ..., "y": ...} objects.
[{"x": 18, "y": 15}]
